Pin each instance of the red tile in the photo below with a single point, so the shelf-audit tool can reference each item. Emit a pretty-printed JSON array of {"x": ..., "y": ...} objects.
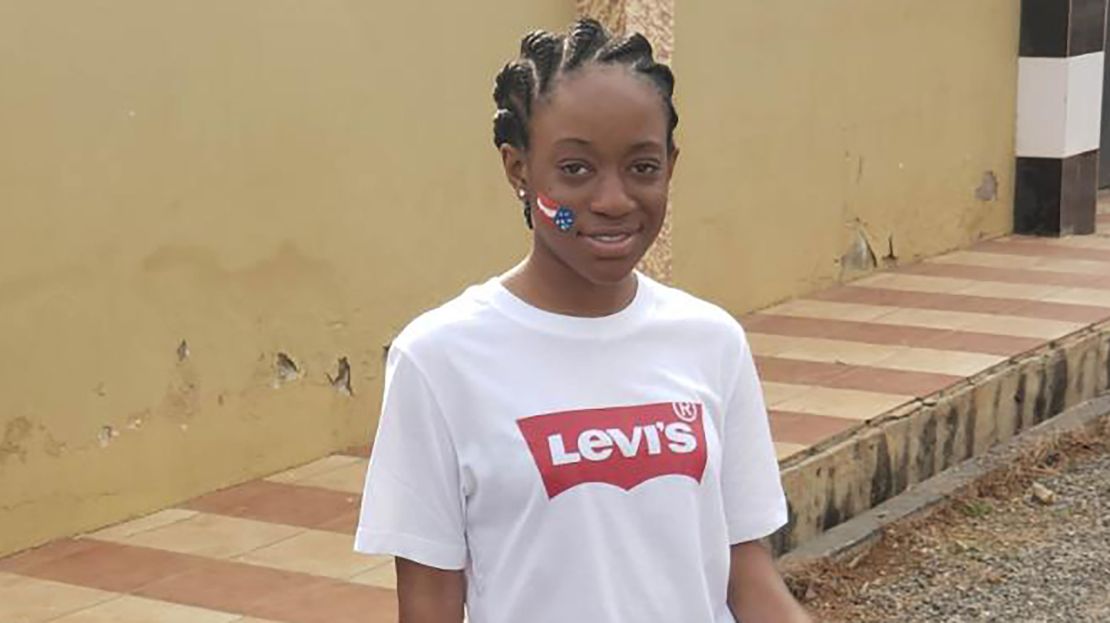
[
  {"x": 872, "y": 333},
  {"x": 45, "y": 554},
  {"x": 223, "y": 585},
  {"x": 843, "y": 376},
  {"x": 884, "y": 380},
  {"x": 229, "y": 586},
  {"x": 960, "y": 302},
  {"x": 362, "y": 451},
  {"x": 345, "y": 523},
  {"x": 294, "y": 505},
  {"x": 807, "y": 429},
  {"x": 1020, "y": 245},
  {"x": 109, "y": 566},
  {"x": 779, "y": 370},
  {"x": 1002, "y": 345},
  {"x": 331, "y": 602},
  {"x": 1006, "y": 275},
  {"x": 1088, "y": 314}
]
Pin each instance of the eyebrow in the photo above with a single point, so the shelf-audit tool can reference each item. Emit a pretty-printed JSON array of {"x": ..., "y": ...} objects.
[{"x": 640, "y": 146}]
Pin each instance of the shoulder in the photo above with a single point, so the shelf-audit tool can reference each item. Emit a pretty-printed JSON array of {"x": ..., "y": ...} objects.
[
  {"x": 678, "y": 306},
  {"x": 441, "y": 326}
]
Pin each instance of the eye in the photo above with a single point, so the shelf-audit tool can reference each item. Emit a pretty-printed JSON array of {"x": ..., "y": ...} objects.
[
  {"x": 574, "y": 169},
  {"x": 645, "y": 168}
]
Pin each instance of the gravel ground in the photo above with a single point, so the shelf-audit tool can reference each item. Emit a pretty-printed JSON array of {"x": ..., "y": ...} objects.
[{"x": 1011, "y": 551}]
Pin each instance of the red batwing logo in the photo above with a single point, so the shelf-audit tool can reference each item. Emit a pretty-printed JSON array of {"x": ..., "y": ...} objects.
[{"x": 621, "y": 446}]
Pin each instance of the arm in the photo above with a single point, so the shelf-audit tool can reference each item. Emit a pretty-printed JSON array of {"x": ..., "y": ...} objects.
[
  {"x": 756, "y": 592},
  {"x": 429, "y": 595}
]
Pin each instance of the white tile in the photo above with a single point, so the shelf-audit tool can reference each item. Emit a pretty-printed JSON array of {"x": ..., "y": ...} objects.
[
  {"x": 1059, "y": 105},
  {"x": 1084, "y": 102},
  {"x": 784, "y": 450},
  {"x": 1042, "y": 107},
  {"x": 31, "y": 600},
  {"x": 129, "y": 609},
  {"x": 830, "y": 310},
  {"x": 1081, "y": 296},
  {"x": 776, "y": 393},
  {"x": 314, "y": 469},
  {"x": 315, "y": 552},
  {"x": 215, "y": 536},
  {"x": 1024, "y": 262},
  {"x": 142, "y": 524},
  {"x": 382, "y": 576},
  {"x": 849, "y": 404}
]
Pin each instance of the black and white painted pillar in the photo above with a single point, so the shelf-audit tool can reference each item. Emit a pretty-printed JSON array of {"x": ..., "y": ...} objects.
[{"x": 1059, "y": 110}]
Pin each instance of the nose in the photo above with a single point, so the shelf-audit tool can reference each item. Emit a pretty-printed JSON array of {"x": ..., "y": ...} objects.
[{"x": 611, "y": 199}]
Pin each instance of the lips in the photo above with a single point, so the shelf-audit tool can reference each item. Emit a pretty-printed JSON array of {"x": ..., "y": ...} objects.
[
  {"x": 611, "y": 238},
  {"x": 611, "y": 244}
]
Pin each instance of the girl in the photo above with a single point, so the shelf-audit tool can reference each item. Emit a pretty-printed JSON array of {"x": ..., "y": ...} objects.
[{"x": 573, "y": 442}]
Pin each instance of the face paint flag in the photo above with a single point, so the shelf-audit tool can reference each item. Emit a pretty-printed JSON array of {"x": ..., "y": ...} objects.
[{"x": 559, "y": 216}]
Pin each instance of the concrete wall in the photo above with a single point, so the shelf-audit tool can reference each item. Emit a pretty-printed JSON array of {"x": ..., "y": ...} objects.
[
  {"x": 250, "y": 177},
  {"x": 191, "y": 190},
  {"x": 821, "y": 139}
]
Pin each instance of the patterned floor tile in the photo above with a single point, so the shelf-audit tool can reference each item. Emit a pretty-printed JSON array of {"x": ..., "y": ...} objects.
[
  {"x": 844, "y": 376},
  {"x": 32, "y": 600},
  {"x": 848, "y": 404},
  {"x": 314, "y": 552},
  {"x": 1029, "y": 262},
  {"x": 784, "y": 450},
  {"x": 348, "y": 479},
  {"x": 298, "y": 475},
  {"x": 807, "y": 429},
  {"x": 213, "y": 536},
  {"x": 383, "y": 575},
  {"x": 103, "y": 565},
  {"x": 128, "y": 609},
  {"x": 911, "y": 359},
  {"x": 159, "y": 519},
  {"x": 292, "y": 505}
]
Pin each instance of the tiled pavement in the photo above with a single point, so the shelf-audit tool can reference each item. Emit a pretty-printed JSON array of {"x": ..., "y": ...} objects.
[{"x": 279, "y": 549}]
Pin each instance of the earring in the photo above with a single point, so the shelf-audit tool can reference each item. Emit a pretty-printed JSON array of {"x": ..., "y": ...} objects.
[{"x": 527, "y": 205}]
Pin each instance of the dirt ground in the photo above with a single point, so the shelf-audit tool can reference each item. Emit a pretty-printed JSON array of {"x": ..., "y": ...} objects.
[{"x": 1029, "y": 543}]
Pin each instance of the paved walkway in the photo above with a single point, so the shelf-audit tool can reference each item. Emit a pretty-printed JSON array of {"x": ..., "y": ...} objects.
[{"x": 279, "y": 549}]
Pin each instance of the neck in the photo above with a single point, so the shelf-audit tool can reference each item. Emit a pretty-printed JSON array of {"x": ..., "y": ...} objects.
[{"x": 552, "y": 286}]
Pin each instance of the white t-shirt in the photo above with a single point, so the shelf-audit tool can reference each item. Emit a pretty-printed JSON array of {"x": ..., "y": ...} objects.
[{"x": 579, "y": 469}]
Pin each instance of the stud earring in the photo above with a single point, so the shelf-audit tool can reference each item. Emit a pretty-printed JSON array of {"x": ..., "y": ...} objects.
[{"x": 527, "y": 205}]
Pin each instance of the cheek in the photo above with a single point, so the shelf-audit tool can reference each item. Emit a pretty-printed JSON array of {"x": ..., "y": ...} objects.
[{"x": 653, "y": 199}]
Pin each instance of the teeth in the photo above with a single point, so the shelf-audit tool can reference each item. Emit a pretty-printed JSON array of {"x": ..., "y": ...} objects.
[{"x": 609, "y": 237}]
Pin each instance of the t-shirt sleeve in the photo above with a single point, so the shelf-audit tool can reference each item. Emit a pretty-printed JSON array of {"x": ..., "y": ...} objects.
[
  {"x": 412, "y": 505},
  {"x": 755, "y": 505}
]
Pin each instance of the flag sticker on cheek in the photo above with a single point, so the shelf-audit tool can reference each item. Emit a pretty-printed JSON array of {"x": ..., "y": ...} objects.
[
  {"x": 560, "y": 217},
  {"x": 620, "y": 446}
]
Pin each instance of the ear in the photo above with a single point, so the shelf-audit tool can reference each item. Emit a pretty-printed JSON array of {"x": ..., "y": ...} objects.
[
  {"x": 516, "y": 167},
  {"x": 672, "y": 160}
]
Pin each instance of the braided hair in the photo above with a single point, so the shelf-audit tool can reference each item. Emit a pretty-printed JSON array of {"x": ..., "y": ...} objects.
[{"x": 544, "y": 56}]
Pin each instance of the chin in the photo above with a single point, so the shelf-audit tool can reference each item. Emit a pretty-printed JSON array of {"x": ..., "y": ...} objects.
[{"x": 608, "y": 273}]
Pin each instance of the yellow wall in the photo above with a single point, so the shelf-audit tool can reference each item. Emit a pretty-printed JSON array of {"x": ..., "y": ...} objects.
[
  {"x": 251, "y": 177},
  {"x": 805, "y": 125},
  {"x": 303, "y": 177}
]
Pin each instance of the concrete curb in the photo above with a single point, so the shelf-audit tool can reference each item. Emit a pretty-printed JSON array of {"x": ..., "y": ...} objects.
[
  {"x": 848, "y": 475},
  {"x": 857, "y": 535}
]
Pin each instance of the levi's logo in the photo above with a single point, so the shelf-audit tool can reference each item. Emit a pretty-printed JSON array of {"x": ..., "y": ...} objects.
[{"x": 621, "y": 446}]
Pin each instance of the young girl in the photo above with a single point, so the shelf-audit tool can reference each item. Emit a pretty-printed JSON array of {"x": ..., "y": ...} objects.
[{"x": 571, "y": 441}]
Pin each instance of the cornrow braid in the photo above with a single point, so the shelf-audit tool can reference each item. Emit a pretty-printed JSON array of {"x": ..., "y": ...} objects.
[
  {"x": 544, "y": 56},
  {"x": 585, "y": 38}
]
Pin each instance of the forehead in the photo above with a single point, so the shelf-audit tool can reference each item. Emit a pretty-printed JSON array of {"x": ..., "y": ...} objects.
[{"x": 602, "y": 104}]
